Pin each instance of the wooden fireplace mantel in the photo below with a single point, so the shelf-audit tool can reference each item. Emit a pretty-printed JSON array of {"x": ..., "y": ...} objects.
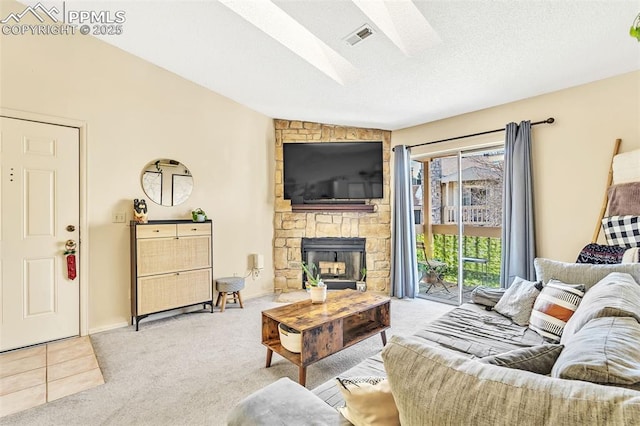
[{"x": 365, "y": 208}]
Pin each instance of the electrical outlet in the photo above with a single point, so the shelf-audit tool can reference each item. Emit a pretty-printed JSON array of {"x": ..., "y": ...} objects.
[{"x": 119, "y": 217}]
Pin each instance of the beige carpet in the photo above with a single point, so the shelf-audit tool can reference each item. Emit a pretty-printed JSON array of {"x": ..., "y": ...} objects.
[{"x": 192, "y": 369}]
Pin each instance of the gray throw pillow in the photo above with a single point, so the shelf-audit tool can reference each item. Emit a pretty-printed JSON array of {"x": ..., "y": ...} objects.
[
  {"x": 518, "y": 301},
  {"x": 616, "y": 295},
  {"x": 537, "y": 359},
  {"x": 605, "y": 351},
  {"x": 580, "y": 273},
  {"x": 487, "y": 296}
]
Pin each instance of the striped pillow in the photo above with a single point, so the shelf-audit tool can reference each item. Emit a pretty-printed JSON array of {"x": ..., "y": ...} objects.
[{"x": 553, "y": 308}]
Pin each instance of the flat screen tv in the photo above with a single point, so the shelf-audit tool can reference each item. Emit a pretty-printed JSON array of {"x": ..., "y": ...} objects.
[{"x": 339, "y": 171}]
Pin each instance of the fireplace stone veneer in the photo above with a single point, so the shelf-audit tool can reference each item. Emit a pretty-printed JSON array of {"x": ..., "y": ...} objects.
[{"x": 291, "y": 226}]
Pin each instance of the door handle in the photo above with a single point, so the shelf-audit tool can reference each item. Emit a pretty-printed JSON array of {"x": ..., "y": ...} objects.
[{"x": 70, "y": 245}]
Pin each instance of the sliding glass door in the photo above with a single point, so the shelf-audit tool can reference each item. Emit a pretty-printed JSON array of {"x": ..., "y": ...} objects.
[{"x": 460, "y": 211}]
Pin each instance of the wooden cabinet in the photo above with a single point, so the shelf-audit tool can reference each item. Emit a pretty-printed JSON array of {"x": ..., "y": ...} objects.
[{"x": 171, "y": 266}]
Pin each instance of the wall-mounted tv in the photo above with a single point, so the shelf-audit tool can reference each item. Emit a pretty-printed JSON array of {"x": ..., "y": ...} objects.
[{"x": 332, "y": 171}]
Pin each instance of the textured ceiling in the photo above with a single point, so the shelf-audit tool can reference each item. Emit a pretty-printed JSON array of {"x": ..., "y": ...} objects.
[{"x": 489, "y": 53}]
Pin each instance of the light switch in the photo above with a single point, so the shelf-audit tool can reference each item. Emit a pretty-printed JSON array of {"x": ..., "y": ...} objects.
[{"x": 119, "y": 217}]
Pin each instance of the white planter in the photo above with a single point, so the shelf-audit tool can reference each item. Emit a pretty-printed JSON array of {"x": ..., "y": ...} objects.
[
  {"x": 200, "y": 218},
  {"x": 318, "y": 294}
]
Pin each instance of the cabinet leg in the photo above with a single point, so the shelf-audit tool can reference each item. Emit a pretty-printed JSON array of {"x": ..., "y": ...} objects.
[
  {"x": 302, "y": 376},
  {"x": 383, "y": 334},
  {"x": 269, "y": 355}
]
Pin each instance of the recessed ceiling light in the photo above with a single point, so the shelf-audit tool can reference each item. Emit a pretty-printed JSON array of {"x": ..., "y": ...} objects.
[{"x": 276, "y": 23}]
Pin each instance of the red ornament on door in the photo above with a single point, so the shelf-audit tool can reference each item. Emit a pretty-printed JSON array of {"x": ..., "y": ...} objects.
[{"x": 70, "y": 253}]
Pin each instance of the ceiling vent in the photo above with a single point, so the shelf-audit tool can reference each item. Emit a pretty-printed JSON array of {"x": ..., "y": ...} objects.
[{"x": 358, "y": 35}]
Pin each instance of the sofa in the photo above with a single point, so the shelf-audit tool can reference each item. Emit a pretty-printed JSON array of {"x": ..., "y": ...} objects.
[{"x": 477, "y": 366}]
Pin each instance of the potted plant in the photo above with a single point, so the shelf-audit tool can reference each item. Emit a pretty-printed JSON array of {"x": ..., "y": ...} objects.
[
  {"x": 314, "y": 284},
  {"x": 634, "y": 31},
  {"x": 361, "y": 285},
  {"x": 198, "y": 215}
]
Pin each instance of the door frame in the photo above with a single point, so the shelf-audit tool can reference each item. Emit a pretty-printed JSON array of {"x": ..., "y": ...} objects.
[
  {"x": 84, "y": 200},
  {"x": 457, "y": 153}
]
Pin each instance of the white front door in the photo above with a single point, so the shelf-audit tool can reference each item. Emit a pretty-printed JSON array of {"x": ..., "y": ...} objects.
[{"x": 39, "y": 213}]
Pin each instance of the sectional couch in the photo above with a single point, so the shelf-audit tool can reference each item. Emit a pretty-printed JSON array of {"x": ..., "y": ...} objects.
[{"x": 447, "y": 373}]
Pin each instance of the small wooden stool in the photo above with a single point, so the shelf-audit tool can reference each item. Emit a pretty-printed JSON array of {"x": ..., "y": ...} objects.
[{"x": 226, "y": 286}]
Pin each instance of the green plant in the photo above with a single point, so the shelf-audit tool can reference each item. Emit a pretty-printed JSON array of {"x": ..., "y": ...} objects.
[
  {"x": 363, "y": 274},
  {"x": 634, "y": 31},
  {"x": 196, "y": 212},
  {"x": 313, "y": 276}
]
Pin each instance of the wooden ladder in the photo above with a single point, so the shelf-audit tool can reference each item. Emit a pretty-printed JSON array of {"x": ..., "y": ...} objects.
[{"x": 603, "y": 209}]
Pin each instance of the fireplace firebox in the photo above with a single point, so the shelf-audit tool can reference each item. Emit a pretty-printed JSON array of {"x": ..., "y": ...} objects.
[{"x": 339, "y": 260}]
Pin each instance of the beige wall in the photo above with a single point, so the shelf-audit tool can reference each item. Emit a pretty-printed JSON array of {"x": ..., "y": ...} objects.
[
  {"x": 136, "y": 112},
  {"x": 571, "y": 157}
]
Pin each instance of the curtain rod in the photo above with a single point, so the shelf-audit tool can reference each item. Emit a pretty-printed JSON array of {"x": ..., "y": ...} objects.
[{"x": 547, "y": 121}]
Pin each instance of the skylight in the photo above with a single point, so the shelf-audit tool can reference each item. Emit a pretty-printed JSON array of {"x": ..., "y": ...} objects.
[
  {"x": 276, "y": 23},
  {"x": 402, "y": 23}
]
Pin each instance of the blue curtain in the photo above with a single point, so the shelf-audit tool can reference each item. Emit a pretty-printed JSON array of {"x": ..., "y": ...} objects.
[
  {"x": 404, "y": 268},
  {"x": 518, "y": 227}
]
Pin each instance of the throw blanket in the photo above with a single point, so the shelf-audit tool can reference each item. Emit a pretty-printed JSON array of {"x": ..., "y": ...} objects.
[
  {"x": 624, "y": 199},
  {"x": 626, "y": 167},
  {"x": 601, "y": 255}
]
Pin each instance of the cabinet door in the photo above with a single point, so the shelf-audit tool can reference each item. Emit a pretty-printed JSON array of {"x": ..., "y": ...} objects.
[
  {"x": 192, "y": 253},
  {"x": 168, "y": 291},
  {"x": 163, "y": 255},
  {"x": 156, "y": 255}
]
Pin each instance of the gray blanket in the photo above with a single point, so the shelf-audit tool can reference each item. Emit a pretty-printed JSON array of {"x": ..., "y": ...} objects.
[{"x": 468, "y": 329}]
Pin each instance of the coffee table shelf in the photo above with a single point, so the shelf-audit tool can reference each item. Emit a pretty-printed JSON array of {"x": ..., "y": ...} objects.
[{"x": 346, "y": 318}]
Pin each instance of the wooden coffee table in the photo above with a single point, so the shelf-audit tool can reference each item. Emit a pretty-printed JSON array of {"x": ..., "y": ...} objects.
[{"x": 346, "y": 318}]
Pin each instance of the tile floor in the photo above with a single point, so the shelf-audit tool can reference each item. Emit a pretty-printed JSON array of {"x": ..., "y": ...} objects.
[{"x": 37, "y": 375}]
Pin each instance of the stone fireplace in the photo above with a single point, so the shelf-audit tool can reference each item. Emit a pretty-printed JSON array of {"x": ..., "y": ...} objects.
[
  {"x": 291, "y": 226},
  {"x": 338, "y": 260}
]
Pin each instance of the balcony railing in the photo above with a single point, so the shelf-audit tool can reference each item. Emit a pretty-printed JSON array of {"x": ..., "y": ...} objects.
[
  {"x": 472, "y": 215},
  {"x": 479, "y": 243}
]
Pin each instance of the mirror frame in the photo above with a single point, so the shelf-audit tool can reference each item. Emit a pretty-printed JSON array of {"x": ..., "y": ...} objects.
[{"x": 166, "y": 182}]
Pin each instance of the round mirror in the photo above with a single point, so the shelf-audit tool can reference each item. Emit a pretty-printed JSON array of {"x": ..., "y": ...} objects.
[{"x": 167, "y": 182}]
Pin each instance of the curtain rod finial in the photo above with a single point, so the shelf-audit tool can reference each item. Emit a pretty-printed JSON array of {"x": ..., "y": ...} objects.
[{"x": 551, "y": 120}]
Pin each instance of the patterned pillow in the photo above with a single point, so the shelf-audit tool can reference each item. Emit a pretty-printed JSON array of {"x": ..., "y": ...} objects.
[
  {"x": 554, "y": 306},
  {"x": 600, "y": 254},
  {"x": 368, "y": 401},
  {"x": 622, "y": 231}
]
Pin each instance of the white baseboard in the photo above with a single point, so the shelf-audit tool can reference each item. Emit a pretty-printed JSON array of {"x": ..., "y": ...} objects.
[
  {"x": 167, "y": 314},
  {"x": 108, "y": 327}
]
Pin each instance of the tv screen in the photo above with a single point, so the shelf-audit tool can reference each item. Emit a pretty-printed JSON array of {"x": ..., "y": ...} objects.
[{"x": 332, "y": 171}]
